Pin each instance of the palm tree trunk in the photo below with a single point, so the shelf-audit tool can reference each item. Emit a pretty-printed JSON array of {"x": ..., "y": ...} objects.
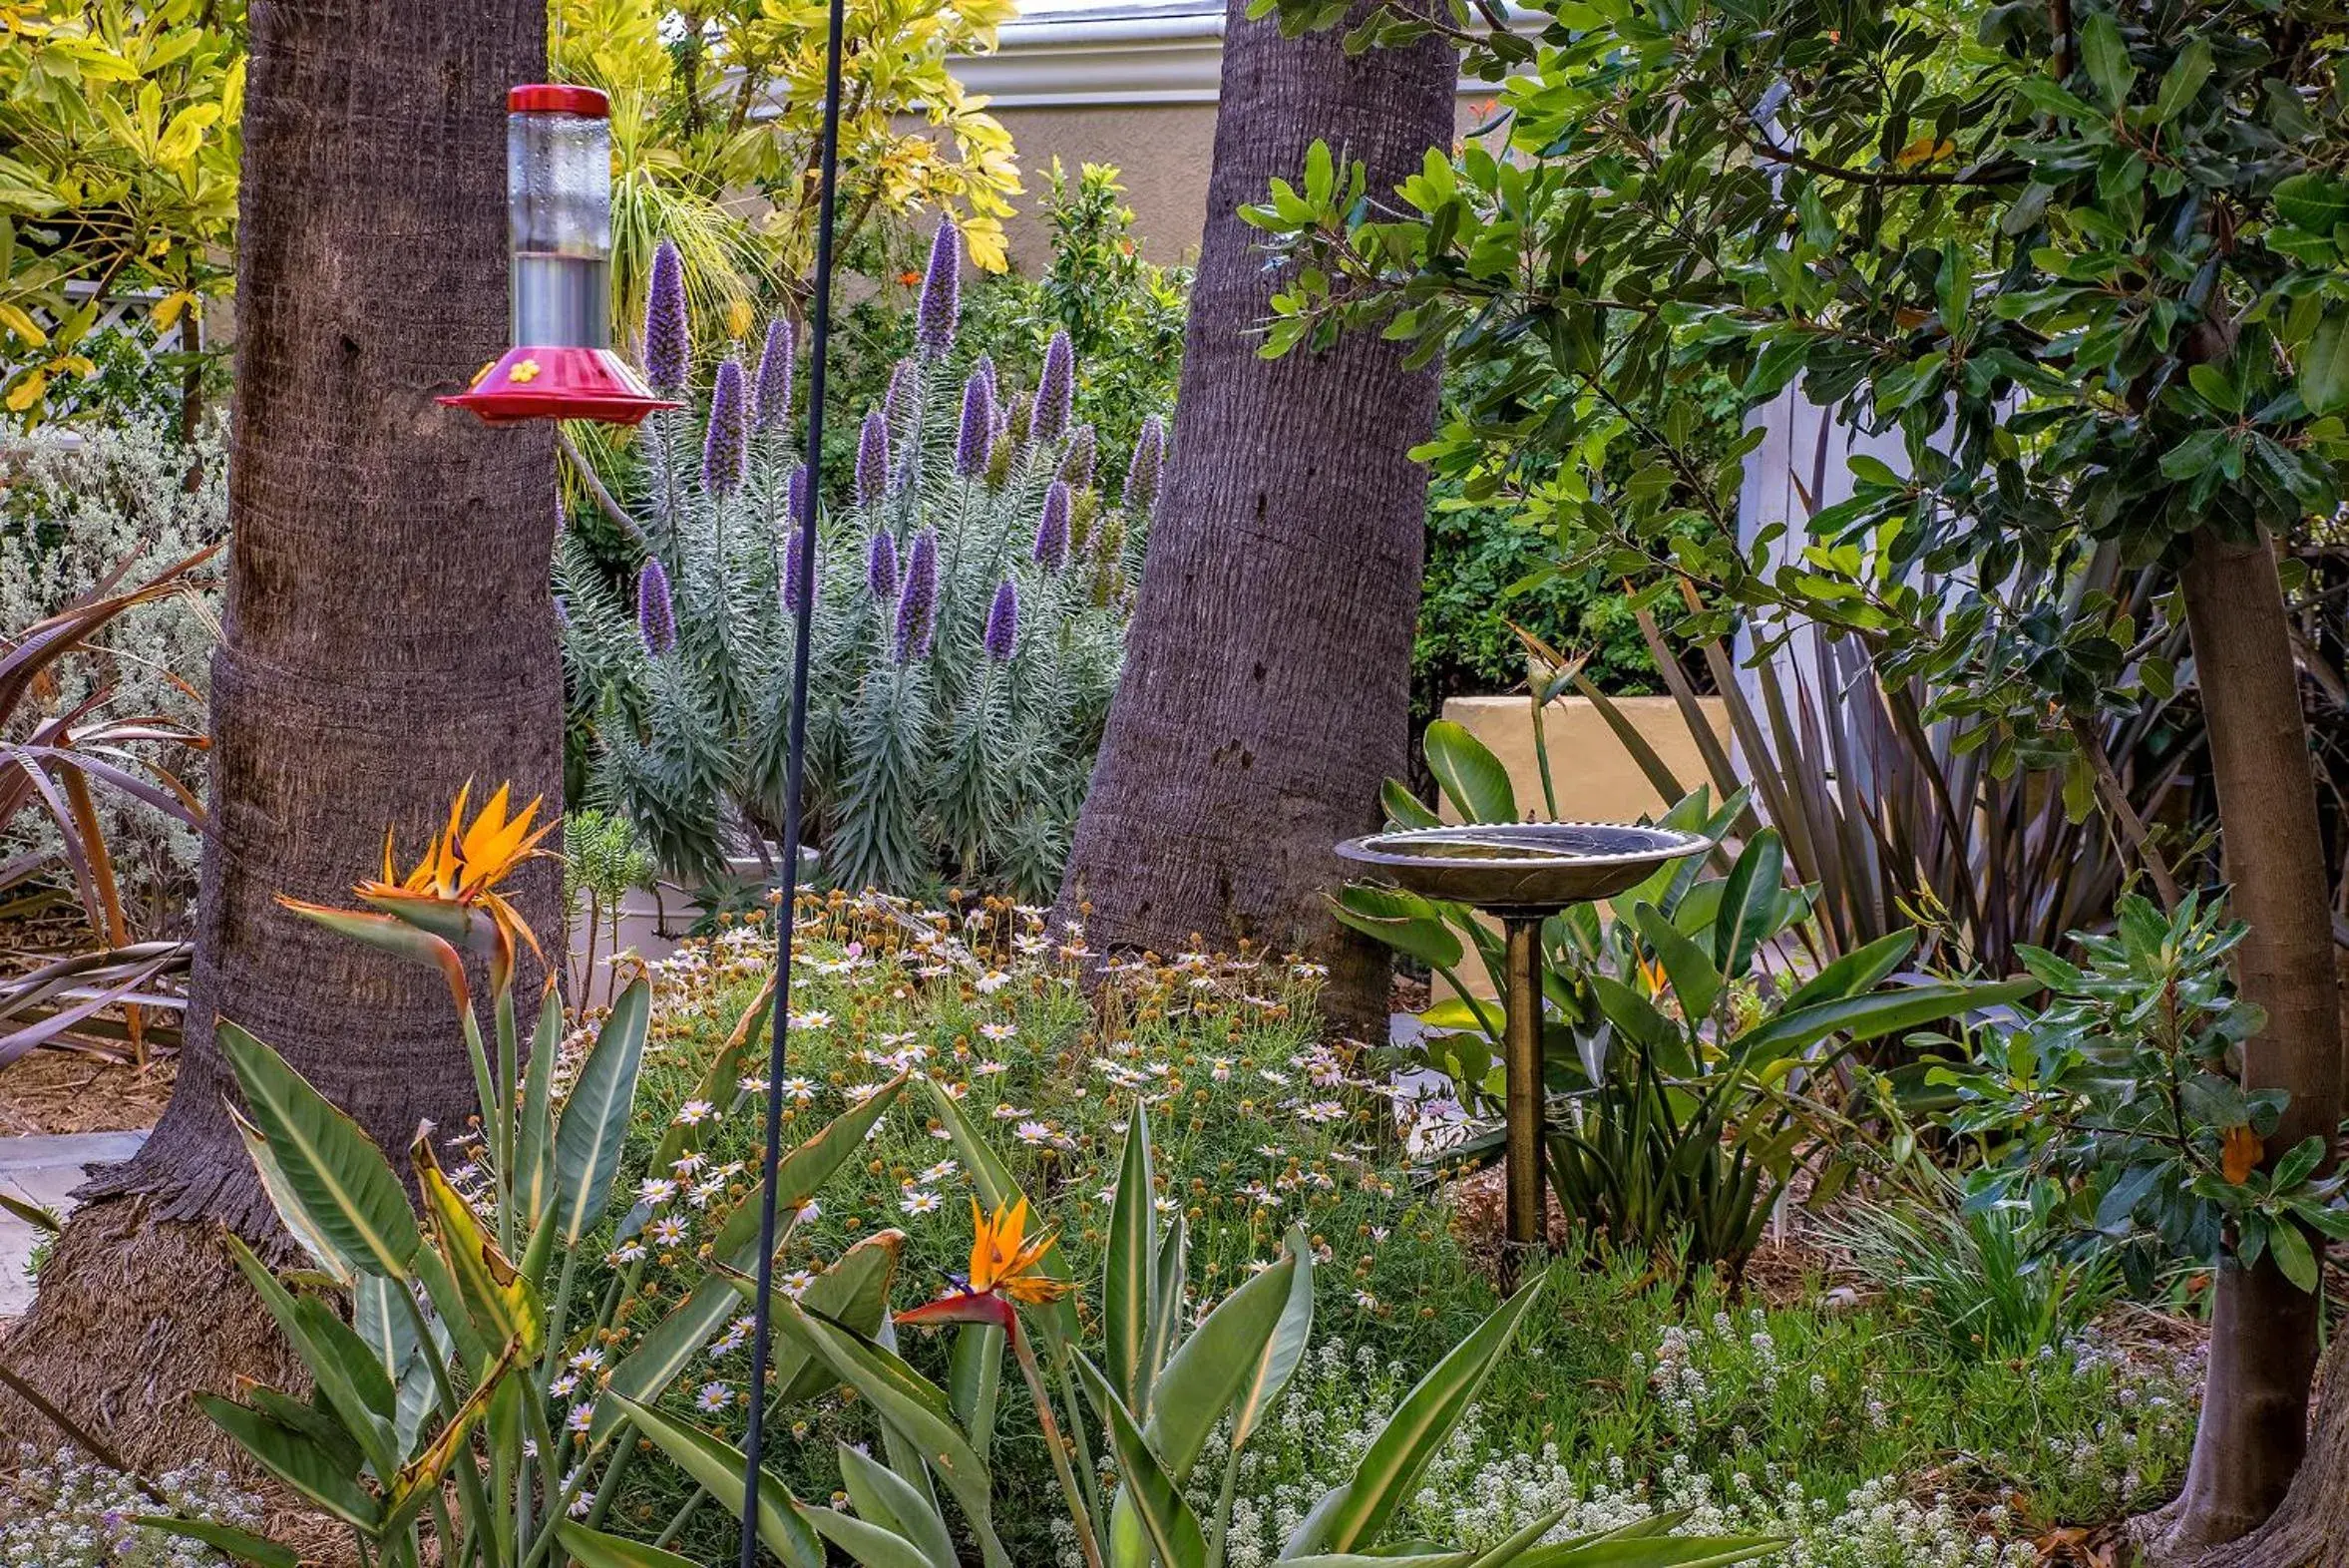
[
  {"x": 1266, "y": 692},
  {"x": 388, "y": 636}
]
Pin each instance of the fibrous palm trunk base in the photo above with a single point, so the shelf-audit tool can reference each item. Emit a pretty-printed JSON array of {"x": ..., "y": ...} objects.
[{"x": 134, "y": 1318}]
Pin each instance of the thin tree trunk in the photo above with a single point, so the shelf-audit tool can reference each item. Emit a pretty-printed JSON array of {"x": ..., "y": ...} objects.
[
  {"x": 388, "y": 636},
  {"x": 2263, "y": 1332},
  {"x": 1266, "y": 692}
]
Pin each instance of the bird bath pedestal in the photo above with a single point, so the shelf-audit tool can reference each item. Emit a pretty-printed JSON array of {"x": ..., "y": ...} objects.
[{"x": 1522, "y": 873}]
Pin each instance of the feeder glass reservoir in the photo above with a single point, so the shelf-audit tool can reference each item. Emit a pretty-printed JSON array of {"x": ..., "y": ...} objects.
[{"x": 558, "y": 211}]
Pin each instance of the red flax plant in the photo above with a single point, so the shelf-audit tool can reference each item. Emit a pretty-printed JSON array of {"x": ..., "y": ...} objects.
[{"x": 51, "y": 757}]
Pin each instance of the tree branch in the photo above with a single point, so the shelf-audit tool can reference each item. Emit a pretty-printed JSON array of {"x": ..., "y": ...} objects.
[{"x": 605, "y": 501}]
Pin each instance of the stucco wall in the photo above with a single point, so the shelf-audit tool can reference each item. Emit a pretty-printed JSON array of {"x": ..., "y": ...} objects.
[{"x": 1161, "y": 152}]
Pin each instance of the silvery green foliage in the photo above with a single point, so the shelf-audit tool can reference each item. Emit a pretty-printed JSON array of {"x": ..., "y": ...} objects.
[
  {"x": 61, "y": 1510},
  {"x": 75, "y": 503},
  {"x": 945, "y": 765}
]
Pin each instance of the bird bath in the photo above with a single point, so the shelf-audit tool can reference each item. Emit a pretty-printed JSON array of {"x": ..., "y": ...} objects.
[{"x": 1523, "y": 872}]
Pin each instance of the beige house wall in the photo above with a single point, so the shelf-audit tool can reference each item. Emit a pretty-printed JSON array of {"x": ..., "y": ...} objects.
[{"x": 1161, "y": 152}]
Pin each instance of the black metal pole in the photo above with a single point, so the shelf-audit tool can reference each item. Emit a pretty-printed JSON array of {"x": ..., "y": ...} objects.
[{"x": 828, "y": 182}]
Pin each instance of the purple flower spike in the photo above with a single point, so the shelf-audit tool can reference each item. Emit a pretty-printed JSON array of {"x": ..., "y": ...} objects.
[
  {"x": 668, "y": 344},
  {"x": 656, "y": 616},
  {"x": 562, "y": 613},
  {"x": 725, "y": 451},
  {"x": 770, "y": 396},
  {"x": 1003, "y": 624},
  {"x": 880, "y": 569},
  {"x": 872, "y": 461},
  {"x": 904, "y": 396},
  {"x": 793, "y": 560},
  {"x": 796, "y": 493},
  {"x": 1148, "y": 466},
  {"x": 917, "y": 606},
  {"x": 941, "y": 294},
  {"x": 1076, "y": 468},
  {"x": 1051, "y": 531},
  {"x": 1055, "y": 391},
  {"x": 978, "y": 429}
]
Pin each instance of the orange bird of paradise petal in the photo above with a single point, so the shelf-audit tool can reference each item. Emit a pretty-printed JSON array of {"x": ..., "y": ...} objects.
[
  {"x": 461, "y": 869},
  {"x": 1005, "y": 1259}
]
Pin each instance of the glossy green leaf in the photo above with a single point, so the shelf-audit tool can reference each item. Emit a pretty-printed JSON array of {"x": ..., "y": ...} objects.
[
  {"x": 1167, "y": 1520},
  {"x": 1269, "y": 1371},
  {"x": 1231, "y": 1356},
  {"x": 974, "y": 1378},
  {"x": 1404, "y": 809},
  {"x": 344, "y": 1369},
  {"x": 2315, "y": 202},
  {"x": 1749, "y": 899},
  {"x": 717, "y": 1465},
  {"x": 1390, "y": 1468},
  {"x": 2324, "y": 366},
  {"x": 868, "y": 1544},
  {"x": 338, "y": 1180},
  {"x": 534, "y": 1159},
  {"x": 2105, "y": 54},
  {"x": 1404, "y": 921},
  {"x": 1127, "y": 1291},
  {"x": 888, "y": 1499},
  {"x": 296, "y": 1459},
  {"x": 906, "y": 1401},
  {"x": 594, "y": 1549},
  {"x": 1877, "y": 1013},
  {"x": 594, "y": 1125},
  {"x": 1168, "y": 1276},
  {"x": 854, "y": 1290},
  {"x": 1468, "y": 774},
  {"x": 243, "y": 1545},
  {"x": 1861, "y": 969},
  {"x": 1694, "y": 979}
]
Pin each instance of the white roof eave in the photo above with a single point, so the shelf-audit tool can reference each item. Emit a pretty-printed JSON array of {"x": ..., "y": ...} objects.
[{"x": 1108, "y": 53}]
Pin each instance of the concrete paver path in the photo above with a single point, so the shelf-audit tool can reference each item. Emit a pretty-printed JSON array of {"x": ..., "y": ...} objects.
[{"x": 42, "y": 1171}]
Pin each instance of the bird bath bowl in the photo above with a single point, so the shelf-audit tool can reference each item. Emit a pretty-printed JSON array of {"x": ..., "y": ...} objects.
[
  {"x": 1521, "y": 868},
  {"x": 1523, "y": 872}
]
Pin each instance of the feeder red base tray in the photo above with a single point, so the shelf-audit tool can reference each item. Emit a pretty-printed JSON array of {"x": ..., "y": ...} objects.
[{"x": 560, "y": 383}]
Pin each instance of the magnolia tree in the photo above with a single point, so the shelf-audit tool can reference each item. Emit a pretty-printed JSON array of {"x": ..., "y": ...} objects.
[{"x": 2086, "y": 260}]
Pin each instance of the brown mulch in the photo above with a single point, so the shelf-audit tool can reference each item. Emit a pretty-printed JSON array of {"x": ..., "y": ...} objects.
[{"x": 67, "y": 1091}]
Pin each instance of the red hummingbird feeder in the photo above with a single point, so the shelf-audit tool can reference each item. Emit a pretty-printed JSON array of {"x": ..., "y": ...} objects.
[{"x": 558, "y": 217}]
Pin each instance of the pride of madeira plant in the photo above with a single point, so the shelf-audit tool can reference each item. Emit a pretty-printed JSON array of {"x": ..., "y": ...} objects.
[{"x": 969, "y": 620}]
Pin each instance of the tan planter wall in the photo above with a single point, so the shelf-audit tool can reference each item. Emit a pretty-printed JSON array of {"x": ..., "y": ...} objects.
[{"x": 1594, "y": 777}]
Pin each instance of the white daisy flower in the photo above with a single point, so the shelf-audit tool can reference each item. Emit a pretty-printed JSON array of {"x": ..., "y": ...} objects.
[{"x": 920, "y": 1202}]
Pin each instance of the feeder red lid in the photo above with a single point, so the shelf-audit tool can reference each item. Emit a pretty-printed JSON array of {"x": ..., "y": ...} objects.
[
  {"x": 560, "y": 383},
  {"x": 557, "y": 98}
]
